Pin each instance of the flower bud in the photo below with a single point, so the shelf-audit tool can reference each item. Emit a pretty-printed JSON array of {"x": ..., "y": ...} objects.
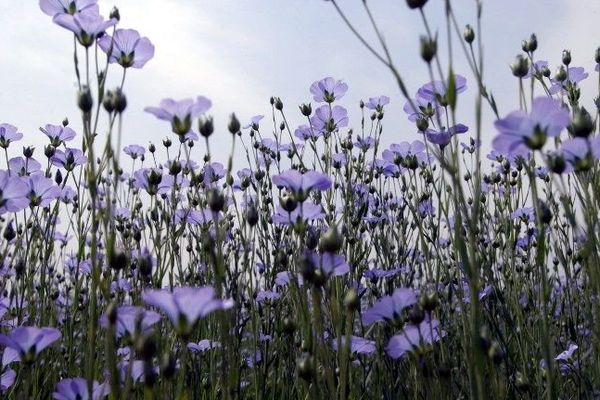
[
  {"x": 118, "y": 259},
  {"x": 351, "y": 300},
  {"x": 278, "y": 104},
  {"x": 206, "y": 126},
  {"x": 234, "y": 124},
  {"x": 582, "y": 124},
  {"x": 469, "y": 34},
  {"x": 306, "y": 367},
  {"x": 28, "y": 151},
  {"x": 561, "y": 74},
  {"x": 114, "y": 14},
  {"x": 422, "y": 124},
  {"x": 9, "y": 232},
  {"x": 566, "y": 57},
  {"x": 288, "y": 203},
  {"x": 49, "y": 151},
  {"x": 597, "y": 56},
  {"x": 520, "y": 67},
  {"x": 332, "y": 241},
  {"x": 65, "y": 122},
  {"x": 252, "y": 215},
  {"x": 216, "y": 201},
  {"x": 119, "y": 101},
  {"x": 306, "y": 109},
  {"x": 413, "y": 4},
  {"x": 85, "y": 102},
  {"x": 428, "y": 48}
]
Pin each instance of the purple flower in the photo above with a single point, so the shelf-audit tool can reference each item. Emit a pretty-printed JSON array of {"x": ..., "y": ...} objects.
[
  {"x": 424, "y": 108},
  {"x": 358, "y": 345},
  {"x": 413, "y": 336},
  {"x": 68, "y": 159},
  {"x": 305, "y": 211},
  {"x": 128, "y": 318},
  {"x": 574, "y": 76},
  {"x": 432, "y": 90},
  {"x": 377, "y": 103},
  {"x": 77, "y": 389},
  {"x": 58, "y": 134},
  {"x": 254, "y": 122},
  {"x": 134, "y": 151},
  {"x": 13, "y": 193},
  {"x": 29, "y": 341},
  {"x": 536, "y": 68},
  {"x": 388, "y": 308},
  {"x": 22, "y": 166},
  {"x": 581, "y": 153},
  {"x": 302, "y": 184},
  {"x": 442, "y": 138},
  {"x": 519, "y": 132},
  {"x": 330, "y": 264},
  {"x": 180, "y": 113},
  {"x": 7, "y": 379},
  {"x": 153, "y": 181},
  {"x": 408, "y": 155},
  {"x": 56, "y": 7},
  {"x": 305, "y": 132},
  {"x": 42, "y": 191},
  {"x": 128, "y": 48},
  {"x": 567, "y": 355},
  {"x": 328, "y": 119},
  {"x": 203, "y": 345},
  {"x": 8, "y": 134},
  {"x": 86, "y": 26},
  {"x": 328, "y": 90},
  {"x": 185, "y": 305}
]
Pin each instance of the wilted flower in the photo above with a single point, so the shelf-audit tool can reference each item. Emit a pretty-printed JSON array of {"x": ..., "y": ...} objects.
[{"x": 128, "y": 48}]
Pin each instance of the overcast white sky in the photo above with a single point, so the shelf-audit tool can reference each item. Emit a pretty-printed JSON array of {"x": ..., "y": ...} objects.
[{"x": 240, "y": 52}]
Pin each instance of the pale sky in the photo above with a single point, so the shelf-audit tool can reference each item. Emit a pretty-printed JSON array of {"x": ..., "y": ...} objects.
[{"x": 240, "y": 52}]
